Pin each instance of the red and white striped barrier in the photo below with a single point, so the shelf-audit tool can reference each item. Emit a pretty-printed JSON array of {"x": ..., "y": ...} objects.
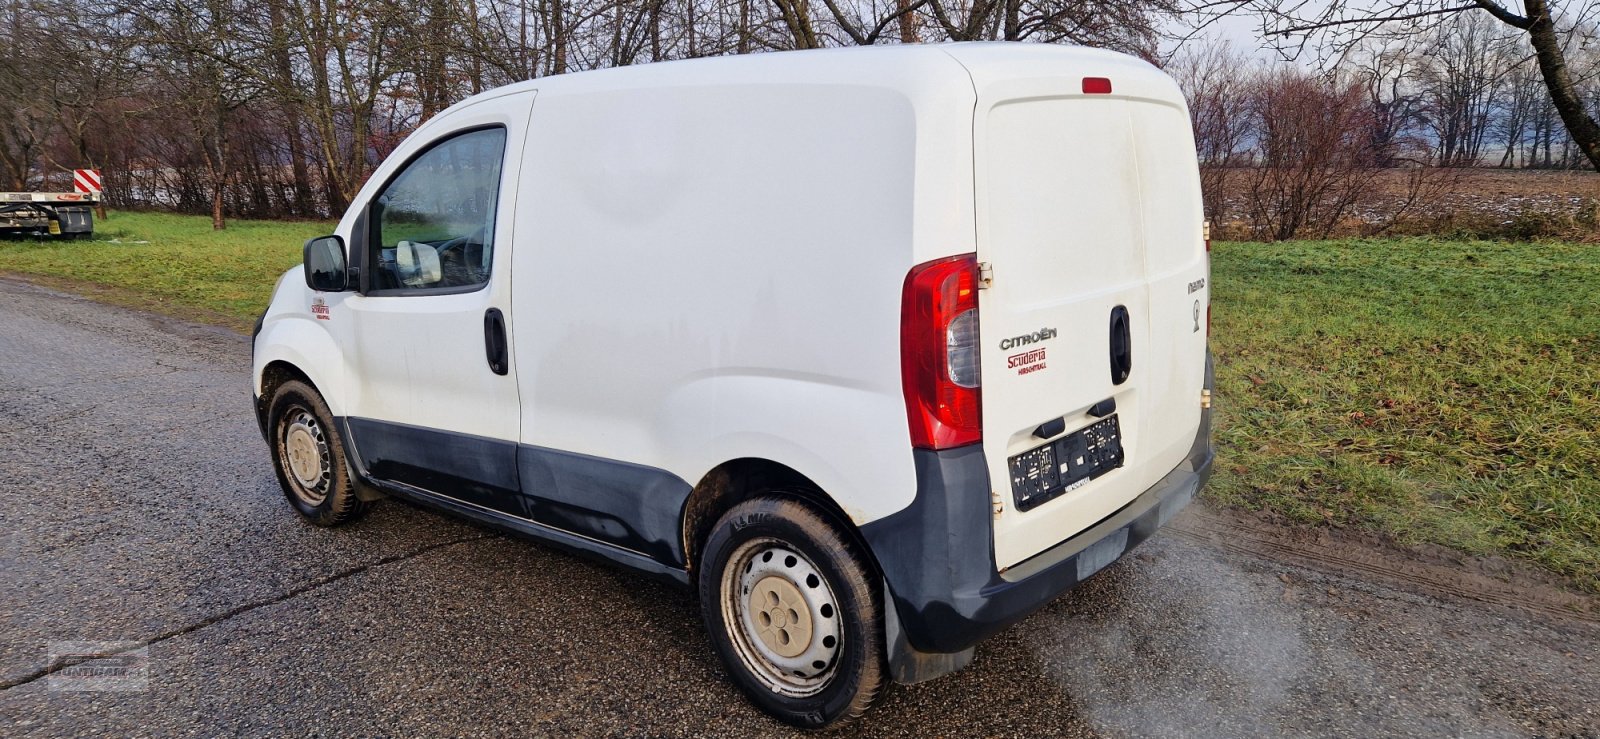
[{"x": 86, "y": 180}]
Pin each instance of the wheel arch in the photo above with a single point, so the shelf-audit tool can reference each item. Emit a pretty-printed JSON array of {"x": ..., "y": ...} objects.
[
  {"x": 300, "y": 347},
  {"x": 737, "y": 480},
  {"x": 273, "y": 374},
  {"x": 278, "y": 371}
]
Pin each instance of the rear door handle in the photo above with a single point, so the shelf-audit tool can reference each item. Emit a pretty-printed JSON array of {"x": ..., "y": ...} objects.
[
  {"x": 494, "y": 341},
  {"x": 1121, "y": 345}
]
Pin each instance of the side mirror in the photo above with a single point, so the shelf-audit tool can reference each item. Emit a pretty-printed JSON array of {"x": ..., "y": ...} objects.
[{"x": 325, "y": 265}]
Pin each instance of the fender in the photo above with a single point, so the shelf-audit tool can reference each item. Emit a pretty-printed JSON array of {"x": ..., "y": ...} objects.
[
  {"x": 768, "y": 416},
  {"x": 290, "y": 333}
]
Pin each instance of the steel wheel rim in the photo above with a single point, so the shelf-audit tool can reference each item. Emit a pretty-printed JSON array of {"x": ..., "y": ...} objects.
[
  {"x": 306, "y": 458},
  {"x": 782, "y": 617}
]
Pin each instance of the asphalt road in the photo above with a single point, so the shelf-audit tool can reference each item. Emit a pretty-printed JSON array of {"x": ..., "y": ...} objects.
[{"x": 137, "y": 504}]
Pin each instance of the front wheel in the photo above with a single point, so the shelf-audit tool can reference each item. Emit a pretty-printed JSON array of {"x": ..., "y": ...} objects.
[
  {"x": 308, "y": 454},
  {"x": 791, "y": 607}
]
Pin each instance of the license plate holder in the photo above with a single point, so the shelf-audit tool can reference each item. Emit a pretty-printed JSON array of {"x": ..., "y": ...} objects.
[{"x": 1049, "y": 471}]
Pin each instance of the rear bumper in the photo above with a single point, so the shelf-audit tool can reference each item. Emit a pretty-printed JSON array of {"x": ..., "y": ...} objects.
[{"x": 938, "y": 562}]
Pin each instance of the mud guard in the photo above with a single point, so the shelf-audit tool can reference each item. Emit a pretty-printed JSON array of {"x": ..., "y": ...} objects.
[{"x": 908, "y": 666}]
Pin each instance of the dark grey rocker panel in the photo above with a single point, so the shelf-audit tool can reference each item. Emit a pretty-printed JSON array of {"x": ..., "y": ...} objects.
[
  {"x": 631, "y": 506},
  {"x": 604, "y": 502},
  {"x": 534, "y": 530},
  {"x": 478, "y": 470}
]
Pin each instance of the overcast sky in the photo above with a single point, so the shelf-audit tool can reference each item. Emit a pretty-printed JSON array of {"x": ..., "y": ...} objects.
[{"x": 1243, "y": 30}]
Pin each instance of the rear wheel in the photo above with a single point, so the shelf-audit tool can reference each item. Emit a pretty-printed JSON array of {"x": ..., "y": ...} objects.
[
  {"x": 308, "y": 454},
  {"x": 792, "y": 608}
]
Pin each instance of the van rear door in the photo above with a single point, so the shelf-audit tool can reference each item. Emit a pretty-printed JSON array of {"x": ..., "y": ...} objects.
[{"x": 1093, "y": 344}]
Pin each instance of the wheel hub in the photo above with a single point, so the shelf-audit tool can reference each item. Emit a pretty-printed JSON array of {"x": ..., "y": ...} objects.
[
  {"x": 782, "y": 616},
  {"x": 783, "y": 622},
  {"x": 303, "y": 456},
  {"x": 305, "y": 451}
]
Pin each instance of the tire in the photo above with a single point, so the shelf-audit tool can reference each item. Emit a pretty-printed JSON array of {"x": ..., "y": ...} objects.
[
  {"x": 308, "y": 455},
  {"x": 792, "y": 609}
]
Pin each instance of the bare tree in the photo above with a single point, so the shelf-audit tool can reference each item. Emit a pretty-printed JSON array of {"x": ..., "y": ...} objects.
[
  {"x": 1389, "y": 73},
  {"x": 1458, "y": 82},
  {"x": 1314, "y": 153},
  {"x": 25, "y": 119},
  {"x": 1218, "y": 82},
  {"x": 1339, "y": 25},
  {"x": 1522, "y": 97},
  {"x": 205, "y": 68}
]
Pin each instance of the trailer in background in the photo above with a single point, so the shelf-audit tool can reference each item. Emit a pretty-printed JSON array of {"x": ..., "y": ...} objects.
[{"x": 64, "y": 214}]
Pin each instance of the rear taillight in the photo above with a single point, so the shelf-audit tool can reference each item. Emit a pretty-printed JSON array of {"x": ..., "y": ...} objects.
[{"x": 939, "y": 368}]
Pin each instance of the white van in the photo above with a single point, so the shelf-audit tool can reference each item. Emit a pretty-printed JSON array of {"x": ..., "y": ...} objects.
[{"x": 879, "y": 349}]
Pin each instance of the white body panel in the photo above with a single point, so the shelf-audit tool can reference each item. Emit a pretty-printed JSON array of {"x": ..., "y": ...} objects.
[
  {"x": 290, "y": 333},
  {"x": 416, "y": 360},
  {"x": 713, "y": 270},
  {"x": 703, "y": 261},
  {"x": 1084, "y": 203}
]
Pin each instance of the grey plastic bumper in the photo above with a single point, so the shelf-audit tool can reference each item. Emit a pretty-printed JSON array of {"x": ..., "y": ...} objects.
[{"x": 937, "y": 556}]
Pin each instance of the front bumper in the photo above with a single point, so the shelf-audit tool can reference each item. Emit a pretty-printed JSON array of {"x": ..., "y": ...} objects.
[
  {"x": 937, "y": 556},
  {"x": 256, "y": 401}
]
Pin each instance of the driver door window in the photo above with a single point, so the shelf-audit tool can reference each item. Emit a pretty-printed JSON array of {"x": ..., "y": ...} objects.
[{"x": 434, "y": 222}]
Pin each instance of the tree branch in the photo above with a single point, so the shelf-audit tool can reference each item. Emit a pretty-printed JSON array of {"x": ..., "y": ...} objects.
[
  {"x": 1362, "y": 21},
  {"x": 1504, "y": 16}
]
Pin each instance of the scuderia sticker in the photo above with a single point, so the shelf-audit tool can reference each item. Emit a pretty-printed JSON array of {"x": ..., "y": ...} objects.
[
  {"x": 1032, "y": 360},
  {"x": 319, "y": 308}
]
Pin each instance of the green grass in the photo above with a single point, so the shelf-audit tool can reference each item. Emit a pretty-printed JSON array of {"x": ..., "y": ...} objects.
[
  {"x": 170, "y": 263},
  {"x": 1436, "y": 391}
]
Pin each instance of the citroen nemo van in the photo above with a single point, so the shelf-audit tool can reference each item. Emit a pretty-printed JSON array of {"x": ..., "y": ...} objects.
[{"x": 878, "y": 349}]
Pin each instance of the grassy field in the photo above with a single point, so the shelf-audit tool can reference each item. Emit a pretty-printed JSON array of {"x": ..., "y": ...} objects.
[
  {"x": 1442, "y": 392},
  {"x": 170, "y": 263},
  {"x": 1435, "y": 391}
]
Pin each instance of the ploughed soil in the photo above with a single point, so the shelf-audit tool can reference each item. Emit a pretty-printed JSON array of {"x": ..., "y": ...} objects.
[{"x": 1476, "y": 202}]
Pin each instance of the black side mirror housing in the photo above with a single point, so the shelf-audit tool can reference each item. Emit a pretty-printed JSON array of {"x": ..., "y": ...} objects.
[{"x": 325, "y": 266}]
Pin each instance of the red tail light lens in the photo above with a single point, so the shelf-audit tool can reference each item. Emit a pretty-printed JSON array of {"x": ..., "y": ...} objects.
[
  {"x": 939, "y": 353},
  {"x": 1096, "y": 86}
]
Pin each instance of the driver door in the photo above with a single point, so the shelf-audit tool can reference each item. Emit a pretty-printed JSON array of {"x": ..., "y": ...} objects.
[{"x": 433, "y": 396}]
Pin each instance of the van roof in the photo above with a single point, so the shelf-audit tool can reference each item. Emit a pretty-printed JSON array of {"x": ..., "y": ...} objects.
[{"x": 907, "y": 66}]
